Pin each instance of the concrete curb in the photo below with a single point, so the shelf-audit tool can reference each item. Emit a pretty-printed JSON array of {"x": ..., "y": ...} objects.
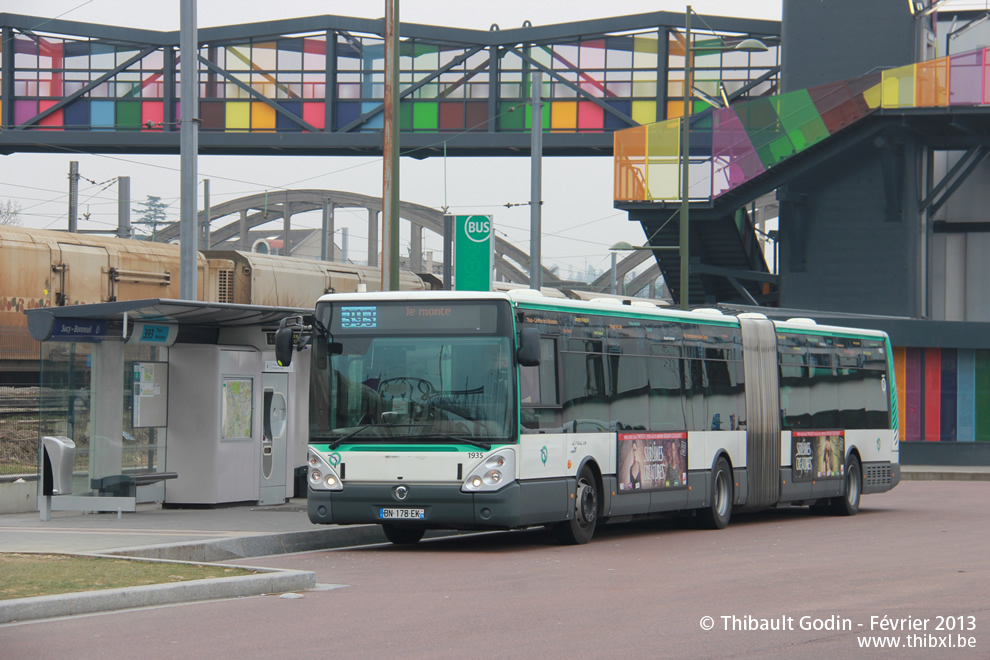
[
  {"x": 89, "y": 602},
  {"x": 945, "y": 474},
  {"x": 260, "y": 545}
]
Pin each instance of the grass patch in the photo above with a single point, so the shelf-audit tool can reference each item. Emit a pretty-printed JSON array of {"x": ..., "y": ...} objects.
[{"x": 23, "y": 575}]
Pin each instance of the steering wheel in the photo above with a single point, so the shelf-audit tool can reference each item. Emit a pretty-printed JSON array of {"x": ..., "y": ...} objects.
[{"x": 403, "y": 387}]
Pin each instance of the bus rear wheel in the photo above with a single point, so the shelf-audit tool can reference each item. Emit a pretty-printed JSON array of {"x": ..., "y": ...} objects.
[
  {"x": 719, "y": 510},
  {"x": 848, "y": 504},
  {"x": 579, "y": 529},
  {"x": 403, "y": 535}
]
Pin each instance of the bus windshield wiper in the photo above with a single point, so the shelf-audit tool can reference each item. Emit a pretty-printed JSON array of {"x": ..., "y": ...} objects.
[
  {"x": 347, "y": 436},
  {"x": 468, "y": 441}
]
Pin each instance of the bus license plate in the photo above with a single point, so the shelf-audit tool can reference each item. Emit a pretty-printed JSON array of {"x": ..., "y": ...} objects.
[{"x": 402, "y": 514}]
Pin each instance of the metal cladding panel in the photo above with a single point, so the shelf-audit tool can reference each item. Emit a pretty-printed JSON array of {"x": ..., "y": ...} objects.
[
  {"x": 827, "y": 41},
  {"x": 762, "y": 412}
]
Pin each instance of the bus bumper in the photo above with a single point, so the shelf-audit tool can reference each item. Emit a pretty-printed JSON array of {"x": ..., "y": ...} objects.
[
  {"x": 880, "y": 477},
  {"x": 444, "y": 506}
]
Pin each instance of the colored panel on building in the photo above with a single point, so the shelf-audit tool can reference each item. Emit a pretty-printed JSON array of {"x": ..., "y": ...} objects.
[
  {"x": 285, "y": 124},
  {"x": 899, "y": 87},
  {"x": 425, "y": 116},
  {"x": 932, "y": 83},
  {"x": 451, "y": 116},
  {"x": 966, "y": 395},
  {"x": 77, "y": 115},
  {"x": 528, "y": 116},
  {"x": 563, "y": 116},
  {"x": 262, "y": 117},
  {"x": 837, "y": 106},
  {"x": 24, "y": 111},
  {"x": 914, "y": 389},
  {"x": 314, "y": 113},
  {"x": 590, "y": 117},
  {"x": 54, "y": 121},
  {"x": 644, "y": 112},
  {"x": 933, "y": 401},
  {"x": 948, "y": 395},
  {"x": 986, "y": 76},
  {"x": 510, "y": 117},
  {"x": 663, "y": 146},
  {"x": 736, "y": 159},
  {"x": 102, "y": 115},
  {"x": 212, "y": 115},
  {"x": 800, "y": 119},
  {"x": 629, "y": 164},
  {"x": 760, "y": 120},
  {"x": 346, "y": 113},
  {"x": 476, "y": 115},
  {"x": 983, "y": 395},
  {"x": 901, "y": 391},
  {"x": 152, "y": 115},
  {"x": 237, "y": 116},
  {"x": 405, "y": 116},
  {"x": 128, "y": 115},
  {"x": 375, "y": 123},
  {"x": 615, "y": 123},
  {"x": 966, "y": 78}
]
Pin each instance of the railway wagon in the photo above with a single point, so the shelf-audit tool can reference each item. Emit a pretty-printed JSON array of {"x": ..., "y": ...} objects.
[{"x": 40, "y": 268}]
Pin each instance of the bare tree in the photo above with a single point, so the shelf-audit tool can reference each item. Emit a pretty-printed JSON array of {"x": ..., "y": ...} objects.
[{"x": 10, "y": 213}]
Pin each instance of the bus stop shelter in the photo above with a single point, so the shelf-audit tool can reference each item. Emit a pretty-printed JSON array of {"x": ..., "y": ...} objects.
[{"x": 170, "y": 401}]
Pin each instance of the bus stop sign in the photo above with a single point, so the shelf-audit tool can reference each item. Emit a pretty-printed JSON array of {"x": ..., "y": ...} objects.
[{"x": 473, "y": 252}]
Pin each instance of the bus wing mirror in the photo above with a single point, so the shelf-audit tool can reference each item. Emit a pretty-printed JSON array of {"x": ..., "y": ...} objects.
[
  {"x": 292, "y": 334},
  {"x": 283, "y": 346},
  {"x": 528, "y": 354}
]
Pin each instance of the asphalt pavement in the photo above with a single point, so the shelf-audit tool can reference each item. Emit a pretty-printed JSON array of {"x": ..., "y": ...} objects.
[{"x": 212, "y": 535}]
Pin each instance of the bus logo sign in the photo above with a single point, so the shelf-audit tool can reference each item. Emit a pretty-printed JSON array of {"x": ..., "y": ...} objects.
[{"x": 543, "y": 455}]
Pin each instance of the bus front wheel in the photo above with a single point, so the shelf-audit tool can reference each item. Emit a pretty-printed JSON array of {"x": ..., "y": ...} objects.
[
  {"x": 579, "y": 529},
  {"x": 848, "y": 504},
  {"x": 403, "y": 535},
  {"x": 719, "y": 510}
]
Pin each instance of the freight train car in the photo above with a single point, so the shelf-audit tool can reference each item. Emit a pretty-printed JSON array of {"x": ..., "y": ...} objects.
[{"x": 40, "y": 268}]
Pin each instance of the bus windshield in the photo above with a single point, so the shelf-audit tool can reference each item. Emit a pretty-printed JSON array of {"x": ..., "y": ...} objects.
[{"x": 395, "y": 376}]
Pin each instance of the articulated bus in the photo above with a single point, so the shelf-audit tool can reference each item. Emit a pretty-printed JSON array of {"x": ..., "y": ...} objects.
[{"x": 495, "y": 411}]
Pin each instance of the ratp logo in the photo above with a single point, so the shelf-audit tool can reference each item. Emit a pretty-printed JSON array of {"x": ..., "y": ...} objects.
[
  {"x": 478, "y": 228},
  {"x": 334, "y": 459},
  {"x": 543, "y": 455}
]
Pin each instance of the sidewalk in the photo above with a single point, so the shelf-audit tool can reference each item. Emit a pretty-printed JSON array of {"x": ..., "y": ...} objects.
[{"x": 199, "y": 535}]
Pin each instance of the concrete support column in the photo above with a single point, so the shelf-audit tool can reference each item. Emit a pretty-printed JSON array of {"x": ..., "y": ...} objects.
[
  {"x": 416, "y": 248},
  {"x": 243, "y": 243},
  {"x": 372, "y": 237},
  {"x": 286, "y": 228}
]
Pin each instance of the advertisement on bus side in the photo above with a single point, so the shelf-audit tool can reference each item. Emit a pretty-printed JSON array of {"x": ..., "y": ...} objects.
[
  {"x": 651, "y": 461},
  {"x": 818, "y": 455}
]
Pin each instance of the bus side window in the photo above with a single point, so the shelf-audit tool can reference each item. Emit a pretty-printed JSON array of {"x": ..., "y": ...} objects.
[{"x": 538, "y": 388}]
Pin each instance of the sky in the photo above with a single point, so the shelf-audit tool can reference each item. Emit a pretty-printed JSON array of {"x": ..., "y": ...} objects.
[{"x": 578, "y": 218}]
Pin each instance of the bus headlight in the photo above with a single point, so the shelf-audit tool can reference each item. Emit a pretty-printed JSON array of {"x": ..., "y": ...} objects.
[
  {"x": 494, "y": 472},
  {"x": 321, "y": 475}
]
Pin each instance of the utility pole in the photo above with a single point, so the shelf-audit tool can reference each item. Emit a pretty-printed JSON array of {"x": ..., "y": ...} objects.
[
  {"x": 123, "y": 207},
  {"x": 390, "y": 151},
  {"x": 536, "y": 183},
  {"x": 188, "y": 148},
  {"x": 73, "y": 194}
]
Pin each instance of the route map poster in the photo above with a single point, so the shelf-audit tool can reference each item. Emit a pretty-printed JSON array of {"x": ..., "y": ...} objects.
[
  {"x": 818, "y": 455},
  {"x": 237, "y": 408},
  {"x": 651, "y": 461}
]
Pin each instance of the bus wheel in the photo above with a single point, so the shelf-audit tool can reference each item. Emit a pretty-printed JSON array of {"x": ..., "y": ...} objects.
[
  {"x": 403, "y": 535},
  {"x": 719, "y": 510},
  {"x": 848, "y": 504},
  {"x": 581, "y": 528}
]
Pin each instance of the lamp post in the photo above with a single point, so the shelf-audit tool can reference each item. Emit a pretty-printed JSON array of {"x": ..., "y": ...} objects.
[{"x": 746, "y": 45}]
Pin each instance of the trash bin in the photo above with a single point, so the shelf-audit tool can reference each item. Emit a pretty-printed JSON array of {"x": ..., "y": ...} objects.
[{"x": 59, "y": 455}]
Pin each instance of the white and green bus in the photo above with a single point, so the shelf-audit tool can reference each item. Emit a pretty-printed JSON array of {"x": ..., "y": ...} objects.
[{"x": 491, "y": 411}]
